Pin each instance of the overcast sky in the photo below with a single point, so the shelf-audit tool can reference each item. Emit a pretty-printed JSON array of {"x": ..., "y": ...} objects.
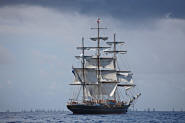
[{"x": 38, "y": 40}]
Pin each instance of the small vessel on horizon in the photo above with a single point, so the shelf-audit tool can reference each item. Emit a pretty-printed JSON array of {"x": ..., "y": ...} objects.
[{"x": 101, "y": 80}]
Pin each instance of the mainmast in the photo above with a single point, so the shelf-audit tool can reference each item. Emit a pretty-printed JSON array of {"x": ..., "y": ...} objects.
[
  {"x": 98, "y": 56},
  {"x": 83, "y": 66}
]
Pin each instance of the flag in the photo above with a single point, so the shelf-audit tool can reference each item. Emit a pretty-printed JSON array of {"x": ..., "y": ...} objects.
[{"x": 98, "y": 21}]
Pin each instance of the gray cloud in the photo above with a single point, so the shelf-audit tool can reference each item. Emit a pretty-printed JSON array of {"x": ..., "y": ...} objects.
[{"x": 132, "y": 10}]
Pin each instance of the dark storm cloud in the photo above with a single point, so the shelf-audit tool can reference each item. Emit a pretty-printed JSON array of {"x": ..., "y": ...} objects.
[{"x": 120, "y": 9}]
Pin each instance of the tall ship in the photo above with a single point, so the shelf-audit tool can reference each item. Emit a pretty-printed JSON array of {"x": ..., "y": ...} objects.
[{"x": 104, "y": 88}]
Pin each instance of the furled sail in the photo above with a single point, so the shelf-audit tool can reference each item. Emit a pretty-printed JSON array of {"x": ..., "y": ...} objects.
[
  {"x": 91, "y": 48},
  {"x": 118, "y": 51},
  {"x": 115, "y": 42},
  {"x": 96, "y": 38},
  {"x": 81, "y": 56},
  {"x": 106, "y": 62}
]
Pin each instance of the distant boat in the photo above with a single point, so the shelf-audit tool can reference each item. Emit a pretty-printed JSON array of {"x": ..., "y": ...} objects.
[{"x": 100, "y": 79}]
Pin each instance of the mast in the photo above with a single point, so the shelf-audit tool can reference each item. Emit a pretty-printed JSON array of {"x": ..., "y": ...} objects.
[
  {"x": 98, "y": 58},
  {"x": 115, "y": 60},
  {"x": 83, "y": 66},
  {"x": 114, "y": 51}
]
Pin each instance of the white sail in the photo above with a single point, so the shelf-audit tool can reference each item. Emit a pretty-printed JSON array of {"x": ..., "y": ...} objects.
[
  {"x": 108, "y": 75},
  {"x": 87, "y": 93},
  {"x": 90, "y": 75},
  {"x": 124, "y": 76},
  {"x": 113, "y": 91},
  {"x": 104, "y": 63},
  {"x": 107, "y": 89},
  {"x": 129, "y": 87},
  {"x": 91, "y": 91}
]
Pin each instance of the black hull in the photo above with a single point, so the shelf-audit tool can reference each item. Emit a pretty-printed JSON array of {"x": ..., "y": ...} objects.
[{"x": 100, "y": 109}]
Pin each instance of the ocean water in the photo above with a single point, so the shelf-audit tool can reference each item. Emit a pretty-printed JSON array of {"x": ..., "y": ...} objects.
[{"x": 68, "y": 117}]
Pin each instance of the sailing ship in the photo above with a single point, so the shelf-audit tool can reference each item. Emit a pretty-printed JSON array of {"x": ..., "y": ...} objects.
[{"x": 100, "y": 79}]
